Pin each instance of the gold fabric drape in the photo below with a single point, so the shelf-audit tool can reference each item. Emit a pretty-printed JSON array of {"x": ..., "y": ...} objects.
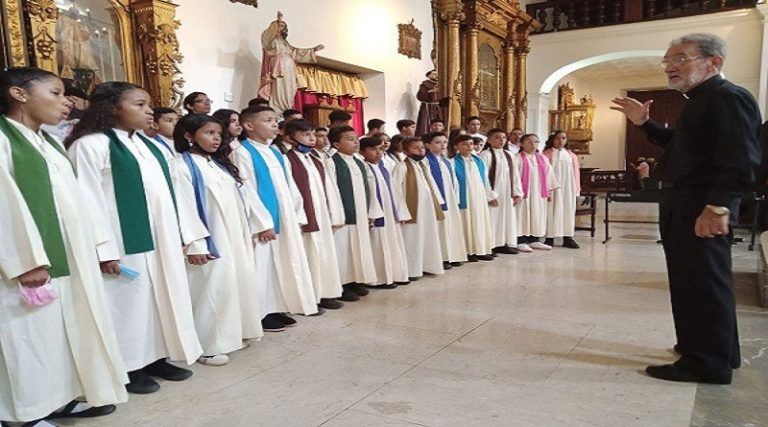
[{"x": 335, "y": 83}]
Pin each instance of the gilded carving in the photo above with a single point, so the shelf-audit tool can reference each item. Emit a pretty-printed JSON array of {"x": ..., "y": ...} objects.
[
  {"x": 15, "y": 32},
  {"x": 409, "y": 43},
  {"x": 42, "y": 21},
  {"x": 253, "y": 3}
]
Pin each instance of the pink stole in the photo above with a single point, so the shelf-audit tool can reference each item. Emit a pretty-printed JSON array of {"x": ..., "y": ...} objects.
[
  {"x": 526, "y": 174},
  {"x": 549, "y": 152}
]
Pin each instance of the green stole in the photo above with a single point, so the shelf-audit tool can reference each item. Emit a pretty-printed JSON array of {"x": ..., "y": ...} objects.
[
  {"x": 344, "y": 181},
  {"x": 34, "y": 182},
  {"x": 132, "y": 209}
]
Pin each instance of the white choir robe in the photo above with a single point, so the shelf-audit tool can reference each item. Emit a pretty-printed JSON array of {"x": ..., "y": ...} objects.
[
  {"x": 353, "y": 241},
  {"x": 532, "y": 210},
  {"x": 320, "y": 245},
  {"x": 153, "y": 312},
  {"x": 283, "y": 275},
  {"x": 422, "y": 238},
  {"x": 65, "y": 350},
  {"x": 452, "y": 244},
  {"x": 387, "y": 241},
  {"x": 224, "y": 291},
  {"x": 476, "y": 217},
  {"x": 390, "y": 161},
  {"x": 503, "y": 216},
  {"x": 561, "y": 210}
]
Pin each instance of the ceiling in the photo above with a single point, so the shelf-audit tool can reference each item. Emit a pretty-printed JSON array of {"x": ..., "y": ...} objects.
[{"x": 626, "y": 69}]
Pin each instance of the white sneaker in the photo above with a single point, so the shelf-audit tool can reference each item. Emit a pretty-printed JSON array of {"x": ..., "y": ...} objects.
[
  {"x": 217, "y": 360},
  {"x": 523, "y": 247},
  {"x": 541, "y": 246}
]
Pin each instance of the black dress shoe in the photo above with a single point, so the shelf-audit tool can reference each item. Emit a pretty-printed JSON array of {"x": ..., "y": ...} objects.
[
  {"x": 330, "y": 304},
  {"x": 413, "y": 279},
  {"x": 349, "y": 296},
  {"x": 166, "y": 371},
  {"x": 485, "y": 257},
  {"x": 389, "y": 286},
  {"x": 320, "y": 312},
  {"x": 549, "y": 241},
  {"x": 447, "y": 265},
  {"x": 678, "y": 374},
  {"x": 284, "y": 319},
  {"x": 141, "y": 383},
  {"x": 94, "y": 411},
  {"x": 457, "y": 264},
  {"x": 359, "y": 289},
  {"x": 569, "y": 243},
  {"x": 269, "y": 324},
  {"x": 506, "y": 250},
  {"x": 472, "y": 258},
  {"x": 403, "y": 283}
]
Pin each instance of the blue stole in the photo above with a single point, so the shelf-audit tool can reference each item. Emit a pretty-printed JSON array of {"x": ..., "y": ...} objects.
[
  {"x": 461, "y": 176},
  {"x": 162, "y": 142},
  {"x": 198, "y": 183},
  {"x": 434, "y": 167},
  {"x": 266, "y": 188}
]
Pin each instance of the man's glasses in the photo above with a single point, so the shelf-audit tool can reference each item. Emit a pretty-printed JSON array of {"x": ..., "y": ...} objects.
[
  {"x": 678, "y": 61},
  {"x": 203, "y": 101}
]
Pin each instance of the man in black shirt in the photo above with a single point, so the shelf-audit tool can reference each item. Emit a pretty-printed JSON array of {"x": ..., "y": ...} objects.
[{"x": 709, "y": 160}]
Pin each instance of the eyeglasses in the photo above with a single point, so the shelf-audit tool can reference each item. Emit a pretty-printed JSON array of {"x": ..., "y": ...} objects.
[
  {"x": 678, "y": 61},
  {"x": 203, "y": 101}
]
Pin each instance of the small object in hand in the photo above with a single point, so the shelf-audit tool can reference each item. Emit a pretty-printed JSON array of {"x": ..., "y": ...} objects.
[
  {"x": 39, "y": 296},
  {"x": 128, "y": 273}
]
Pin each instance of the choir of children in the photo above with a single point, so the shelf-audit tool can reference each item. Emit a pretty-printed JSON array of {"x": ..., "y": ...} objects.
[{"x": 151, "y": 239}]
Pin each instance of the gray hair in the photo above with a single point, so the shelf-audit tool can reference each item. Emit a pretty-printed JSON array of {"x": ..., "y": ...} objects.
[{"x": 709, "y": 44}]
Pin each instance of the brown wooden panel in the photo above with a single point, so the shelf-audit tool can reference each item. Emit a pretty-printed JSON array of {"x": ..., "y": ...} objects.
[{"x": 666, "y": 108}]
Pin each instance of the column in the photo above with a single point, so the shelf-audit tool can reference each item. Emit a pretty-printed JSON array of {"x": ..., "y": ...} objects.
[
  {"x": 521, "y": 93},
  {"x": 454, "y": 86},
  {"x": 471, "y": 87},
  {"x": 508, "y": 85},
  {"x": 539, "y": 115}
]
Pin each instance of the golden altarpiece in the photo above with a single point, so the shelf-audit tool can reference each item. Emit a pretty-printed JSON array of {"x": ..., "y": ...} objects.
[
  {"x": 481, "y": 48},
  {"x": 90, "y": 41}
]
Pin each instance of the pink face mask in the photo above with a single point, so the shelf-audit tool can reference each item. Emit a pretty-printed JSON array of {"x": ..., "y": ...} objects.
[{"x": 38, "y": 297}]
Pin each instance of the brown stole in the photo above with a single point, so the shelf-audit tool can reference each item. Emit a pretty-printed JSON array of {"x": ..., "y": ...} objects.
[
  {"x": 412, "y": 191},
  {"x": 301, "y": 176},
  {"x": 492, "y": 171}
]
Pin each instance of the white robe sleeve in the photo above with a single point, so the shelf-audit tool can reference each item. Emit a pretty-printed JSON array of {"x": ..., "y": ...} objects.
[
  {"x": 335, "y": 207},
  {"x": 398, "y": 191},
  {"x": 90, "y": 155},
  {"x": 258, "y": 216},
  {"x": 517, "y": 184},
  {"x": 554, "y": 184},
  {"x": 22, "y": 248},
  {"x": 183, "y": 185}
]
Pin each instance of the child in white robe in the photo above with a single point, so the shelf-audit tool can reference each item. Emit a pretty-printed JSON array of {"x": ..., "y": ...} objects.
[
  {"x": 454, "y": 248},
  {"x": 353, "y": 240},
  {"x": 561, "y": 209},
  {"x": 386, "y": 237},
  {"x": 505, "y": 181},
  {"x": 323, "y": 212},
  {"x": 222, "y": 282},
  {"x": 131, "y": 184},
  {"x": 475, "y": 199},
  {"x": 414, "y": 184},
  {"x": 538, "y": 181},
  {"x": 283, "y": 275},
  {"x": 62, "y": 349}
]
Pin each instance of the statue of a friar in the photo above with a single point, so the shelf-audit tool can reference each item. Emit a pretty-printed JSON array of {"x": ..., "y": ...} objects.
[{"x": 278, "y": 68}]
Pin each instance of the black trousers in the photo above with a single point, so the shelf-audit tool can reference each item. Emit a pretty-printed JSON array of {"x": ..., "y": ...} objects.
[{"x": 700, "y": 284}]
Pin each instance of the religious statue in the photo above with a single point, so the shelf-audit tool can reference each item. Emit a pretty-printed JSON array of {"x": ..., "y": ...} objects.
[
  {"x": 278, "y": 67},
  {"x": 565, "y": 96},
  {"x": 430, "y": 103}
]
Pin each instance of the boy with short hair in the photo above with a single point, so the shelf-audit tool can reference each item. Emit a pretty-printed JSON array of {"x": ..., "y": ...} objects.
[
  {"x": 161, "y": 131},
  {"x": 375, "y": 126},
  {"x": 353, "y": 241},
  {"x": 437, "y": 125},
  {"x": 406, "y": 127},
  {"x": 322, "y": 149},
  {"x": 339, "y": 118},
  {"x": 473, "y": 127}
]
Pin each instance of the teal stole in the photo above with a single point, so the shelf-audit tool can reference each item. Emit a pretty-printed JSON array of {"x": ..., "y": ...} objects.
[
  {"x": 265, "y": 186},
  {"x": 461, "y": 176},
  {"x": 344, "y": 181},
  {"x": 30, "y": 171}
]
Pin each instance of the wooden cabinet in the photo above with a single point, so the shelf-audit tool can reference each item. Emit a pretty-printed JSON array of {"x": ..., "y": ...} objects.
[{"x": 666, "y": 108}]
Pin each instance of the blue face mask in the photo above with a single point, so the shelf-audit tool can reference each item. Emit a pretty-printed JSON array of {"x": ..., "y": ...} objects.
[{"x": 301, "y": 148}]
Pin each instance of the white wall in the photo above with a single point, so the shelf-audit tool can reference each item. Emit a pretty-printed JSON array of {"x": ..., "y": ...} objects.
[
  {"x": 222, "y": 52},
  {"x": 608, "y": 146}
]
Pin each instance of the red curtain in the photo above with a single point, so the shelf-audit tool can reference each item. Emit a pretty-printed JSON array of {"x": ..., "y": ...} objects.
[{"x": 306, "y": 99}]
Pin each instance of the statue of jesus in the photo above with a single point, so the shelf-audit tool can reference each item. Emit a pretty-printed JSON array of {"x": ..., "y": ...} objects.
[{"x": 278, "y": 68}]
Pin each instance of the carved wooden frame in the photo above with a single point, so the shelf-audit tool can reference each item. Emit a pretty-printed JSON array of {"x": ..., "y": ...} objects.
[
  {"x": 147, "y": 37},
  {"x": 254, "y": 3},
  {"x": 409, "y": 40}
]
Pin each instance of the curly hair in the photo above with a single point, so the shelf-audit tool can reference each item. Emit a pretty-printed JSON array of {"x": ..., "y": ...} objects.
[
  {"x": 100, "y": 114},
  {"x": 190, "y": 124}
]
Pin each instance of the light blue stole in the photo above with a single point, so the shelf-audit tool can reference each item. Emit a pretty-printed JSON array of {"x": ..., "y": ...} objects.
[
  {"x": 461, "y": 176},
  {"x": 266, "y": 188}
]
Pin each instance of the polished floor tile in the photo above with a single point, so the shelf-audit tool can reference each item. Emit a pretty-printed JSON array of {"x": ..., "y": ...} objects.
[{"x": 541, "y": 339}]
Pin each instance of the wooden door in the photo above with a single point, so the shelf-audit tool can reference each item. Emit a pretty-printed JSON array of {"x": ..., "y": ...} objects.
[{"x": 666, "y": 108}]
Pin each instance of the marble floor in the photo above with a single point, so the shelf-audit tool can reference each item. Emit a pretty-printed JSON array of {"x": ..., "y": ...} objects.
[{"x": 542, "y": 339}]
